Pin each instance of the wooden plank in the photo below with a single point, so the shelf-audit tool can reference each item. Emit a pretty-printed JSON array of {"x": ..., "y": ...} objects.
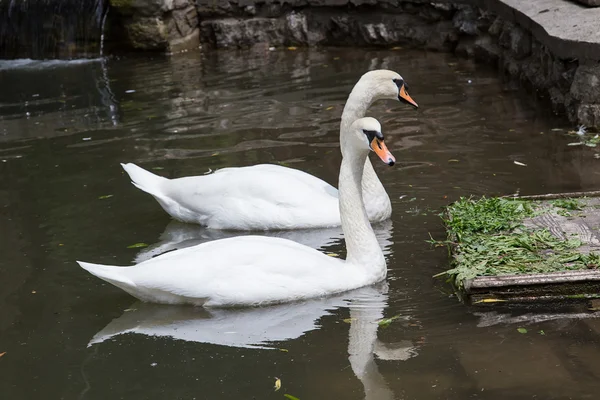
[{"x": 547, "y": 287}]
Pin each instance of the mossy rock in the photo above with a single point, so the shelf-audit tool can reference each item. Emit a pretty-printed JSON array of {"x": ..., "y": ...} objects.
[
  {"x": 148, "y": 34},
  {"x": 124, "y": 7}
]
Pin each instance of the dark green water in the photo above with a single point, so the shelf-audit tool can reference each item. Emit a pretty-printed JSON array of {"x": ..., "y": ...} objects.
[{"x": 64, "y": 129}]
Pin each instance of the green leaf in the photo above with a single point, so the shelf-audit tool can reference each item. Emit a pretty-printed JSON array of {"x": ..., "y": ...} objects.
[
  {"x": 522, "y": 330},
  {"x": 108, "y": 196},
  {"x": 158, "y": 168},
  {"x": 289, "y": 396},
  {"x": 137, "y": 245},
  {"x": 542, "y": 332},
  {"x": 384, "y": 323}
]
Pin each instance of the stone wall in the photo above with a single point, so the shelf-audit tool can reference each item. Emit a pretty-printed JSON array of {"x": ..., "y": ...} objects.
[
  {"x": 498, "y": 33},
  {"x": 160, "y": 25}
]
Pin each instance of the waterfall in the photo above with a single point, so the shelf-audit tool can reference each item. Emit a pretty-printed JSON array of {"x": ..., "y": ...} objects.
[{"x": 43, "y": 29}]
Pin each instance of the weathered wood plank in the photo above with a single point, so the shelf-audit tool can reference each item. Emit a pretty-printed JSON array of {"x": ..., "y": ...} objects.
[{"x": 579, "y": 285}]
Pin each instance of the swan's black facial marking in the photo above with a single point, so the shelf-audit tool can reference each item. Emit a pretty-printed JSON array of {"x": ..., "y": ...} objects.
[
  {"x": 403, "y": 95},
  {"x": 372, "y": 135},
  {"x": 399, "y": 82}
]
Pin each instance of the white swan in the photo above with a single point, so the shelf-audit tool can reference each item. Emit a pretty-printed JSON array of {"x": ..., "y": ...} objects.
[
  {"x": 266, "y": 196},
  {"x": 256, "y": 270}
]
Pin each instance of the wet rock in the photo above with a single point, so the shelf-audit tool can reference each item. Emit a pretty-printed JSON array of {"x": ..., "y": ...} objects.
[
  {"x": 145, "y": 8},
  {"x": 516, "y": 39},
  {"x": 442, "y": 37},
  {"x": 512, "y": 66},
  {"x": 557, "y": 99},
  {"x": 466, "y": 47},
  {"x": 465, "y": 20},
  {"x": 586, "y": 83},
  {"x": 148, "y": 34},
  {"x": 486, "y": 50},
  {"x": 436, "y": 12},
  {"x": 496, "y": 28},
  {"x": 182, "y": 22},
  {"x": 589, "y": 115},
  {"x": 239, "y": 33}
]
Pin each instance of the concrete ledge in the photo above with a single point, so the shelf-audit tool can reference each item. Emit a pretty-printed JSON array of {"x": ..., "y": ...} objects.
[{"x": 569, "y": 30}]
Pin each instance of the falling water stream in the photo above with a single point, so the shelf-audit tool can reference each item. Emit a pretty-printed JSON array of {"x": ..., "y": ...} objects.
[{"x": 51, "y": 29}]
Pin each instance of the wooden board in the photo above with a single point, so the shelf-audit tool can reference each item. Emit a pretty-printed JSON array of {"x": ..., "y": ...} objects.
[{"x": 548, "y": 287}]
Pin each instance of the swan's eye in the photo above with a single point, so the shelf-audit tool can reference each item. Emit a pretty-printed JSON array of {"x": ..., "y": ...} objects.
[
  {"x": 399, "y": 82},
  {"x": 373, "y": 134}
]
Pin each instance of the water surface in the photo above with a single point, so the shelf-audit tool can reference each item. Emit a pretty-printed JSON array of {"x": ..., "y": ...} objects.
[{"x": 64, "y": 129}]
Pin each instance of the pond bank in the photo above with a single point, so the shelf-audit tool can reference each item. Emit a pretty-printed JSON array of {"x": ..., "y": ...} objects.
[{"x": 551, "y": 45}]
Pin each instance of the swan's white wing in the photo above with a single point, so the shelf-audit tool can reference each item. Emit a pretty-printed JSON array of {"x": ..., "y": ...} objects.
[{"x": 256, "y": 198}]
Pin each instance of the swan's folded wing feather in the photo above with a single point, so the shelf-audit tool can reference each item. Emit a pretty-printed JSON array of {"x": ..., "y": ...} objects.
[
  {"x": 245, "y": 270},
  {"x": 259, "y": 196}
]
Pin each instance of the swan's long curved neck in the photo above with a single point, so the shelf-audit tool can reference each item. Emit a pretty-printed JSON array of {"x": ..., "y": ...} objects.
[
  {"x": 361, "y": 242},
  {"x": 359, "y": 101}
]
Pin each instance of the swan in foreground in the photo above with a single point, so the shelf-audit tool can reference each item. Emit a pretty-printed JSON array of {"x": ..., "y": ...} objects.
[
  {"x": 257, "y": 270},
  {"x": 266, "y": 196}
]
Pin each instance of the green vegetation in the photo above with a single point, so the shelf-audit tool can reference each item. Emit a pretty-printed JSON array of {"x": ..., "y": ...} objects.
[
  {"x": 486, "y": 215},
  {"x": 488, "y": 238}
]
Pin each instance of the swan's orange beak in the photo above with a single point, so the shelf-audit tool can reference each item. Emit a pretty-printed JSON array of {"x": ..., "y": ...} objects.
[
  {"x": 379, "y": 147},
  {"x": 403, "y": 96}
]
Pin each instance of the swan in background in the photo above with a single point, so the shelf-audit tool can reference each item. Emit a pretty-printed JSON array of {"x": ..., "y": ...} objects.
[
  {"x": 178, "y": 235},
  {"x": 259, "y": 270},
  {"x": 274, "y": 197}
]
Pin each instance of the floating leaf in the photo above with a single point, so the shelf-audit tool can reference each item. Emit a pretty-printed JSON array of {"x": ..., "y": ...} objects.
[
  {"x": 277, "y": 384},
  {"x": 387, "y": 321},
  {"x": 520, "y": 163},
  {"x": 453, "y": 160},
  {"x": 107, "y": 196},
  {"x": 349, "y": 320},
  {"x": 332, "y": 254},
  {"x": 289, "y": 396},
  {"x": 397, "y": 48},
  {"x": 137, "y": 245},
  {"x": 542, "y": 333},
  {"x": 158, "y": 168},
  {"x": 521, "y": 330},
  {"x": 489, "y": 301},
  {"x": 556, "y": 129},
  {"x": 284, "y": 350},
  {"x": 575, "y": 144},
  {"x": 329, "y": 108},
  {"x": 292, "y": 48}
]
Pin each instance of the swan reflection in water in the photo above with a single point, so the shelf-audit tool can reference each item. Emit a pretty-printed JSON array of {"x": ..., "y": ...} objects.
[
  {"x": 260, "y": 327},
  {"x": 178, "y": 235}
]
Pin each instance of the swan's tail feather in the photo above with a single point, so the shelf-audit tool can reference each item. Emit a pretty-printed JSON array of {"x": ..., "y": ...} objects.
[
  {"x": 144, "y": 180},
  {"x": 109, "y": 273}
]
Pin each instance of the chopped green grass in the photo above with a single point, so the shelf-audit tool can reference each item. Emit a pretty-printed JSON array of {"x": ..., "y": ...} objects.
[
  {"x": 568, "y": 204},
  {"x": 486, "y": 215},
  {"x": 489, "y": 239}
]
